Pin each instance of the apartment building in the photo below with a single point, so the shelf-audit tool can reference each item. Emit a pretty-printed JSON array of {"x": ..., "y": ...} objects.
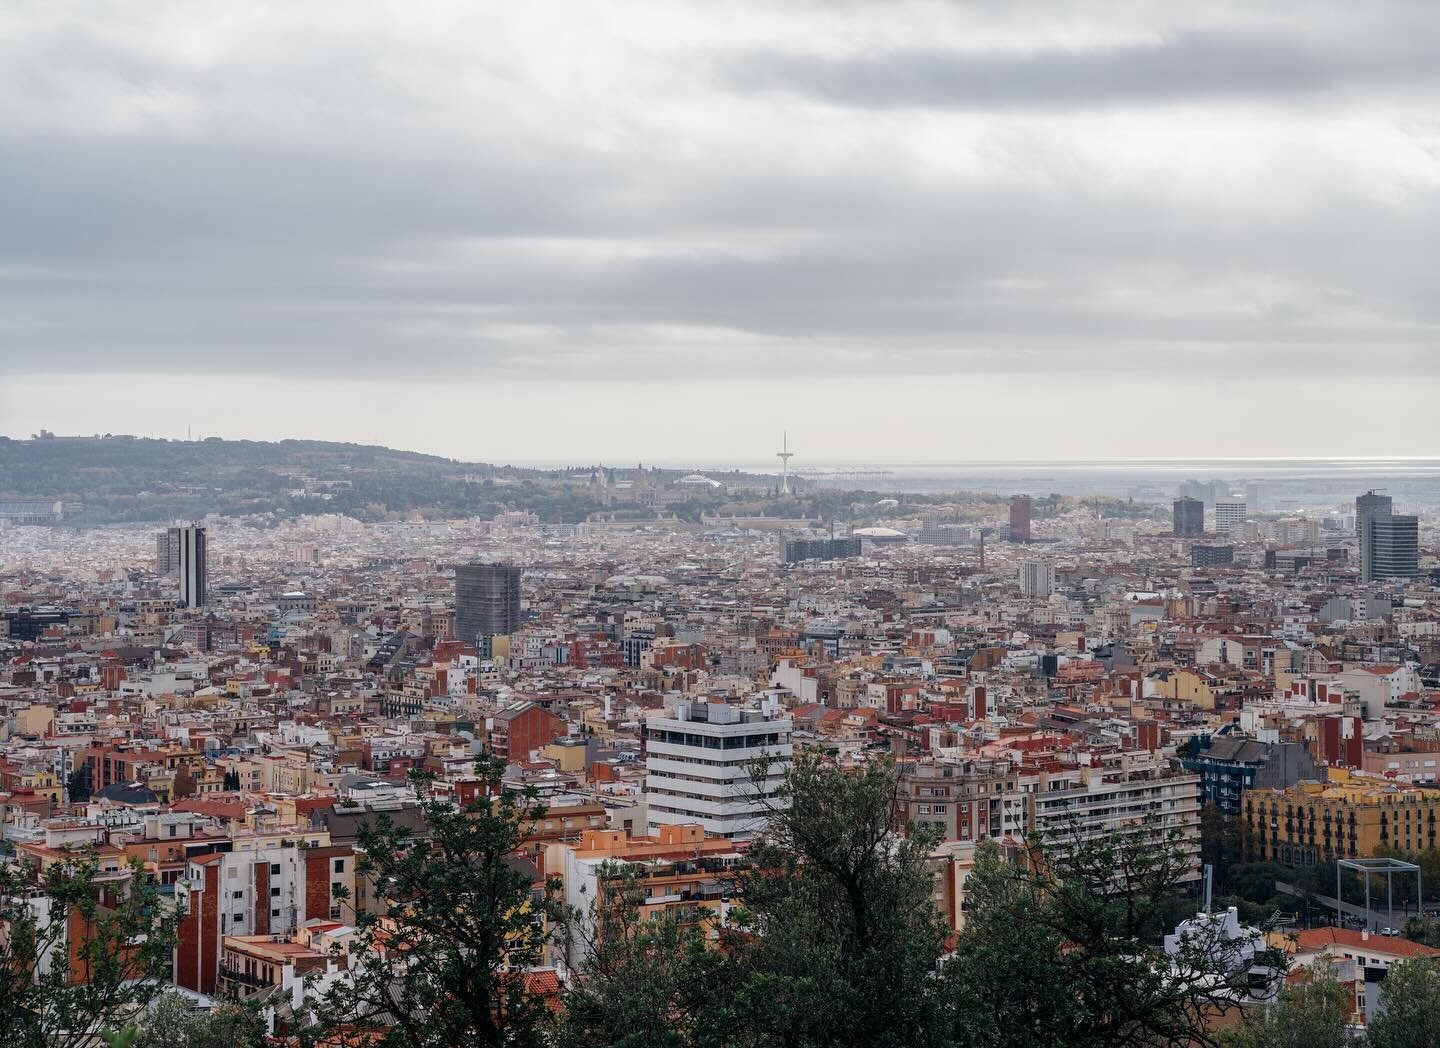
[
  {"x": 681, "y": 871},
  {"x": 967, "y": 801},
  {"x": 699, "y": 763},
  {"x": 1346, "y": 816},
  {"x": 1122, "y": 792}
]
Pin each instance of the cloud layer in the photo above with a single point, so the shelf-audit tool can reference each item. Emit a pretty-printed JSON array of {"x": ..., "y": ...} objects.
[{"x": 671, "y": 192}]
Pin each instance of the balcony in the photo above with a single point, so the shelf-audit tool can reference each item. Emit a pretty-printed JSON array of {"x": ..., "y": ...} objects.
[{"x": 244, "y": 978}]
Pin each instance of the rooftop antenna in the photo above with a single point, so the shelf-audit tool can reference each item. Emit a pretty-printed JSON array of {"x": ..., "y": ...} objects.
[{"x": 785, "y": 455}]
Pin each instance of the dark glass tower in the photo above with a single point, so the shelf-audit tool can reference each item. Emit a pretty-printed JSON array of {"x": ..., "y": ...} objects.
[
  {"x": 487, "y": 602},
  {"x": 192, "y": 566},
  {"x": 1189, "y": 516}
]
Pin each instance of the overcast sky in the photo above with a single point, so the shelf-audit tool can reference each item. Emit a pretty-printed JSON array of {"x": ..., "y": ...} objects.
[{"x": 525, "y": 231}]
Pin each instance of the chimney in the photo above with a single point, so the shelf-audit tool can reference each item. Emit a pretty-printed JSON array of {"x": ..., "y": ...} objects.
[{"x": 1364, "y": 934}]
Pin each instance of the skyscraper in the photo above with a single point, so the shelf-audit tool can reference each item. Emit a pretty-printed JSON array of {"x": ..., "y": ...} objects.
[
  {"x": 1189, "y": 516},
  {"x": 1394, "y": 547},
  {"x": 1389, "y": 544},
  {"x": 167, "y": 552},
  {"x": 1367, "y": 507},
  {"x": 487, "y": 602},
  {"x": 1229, "y": 510},
  {"x": 1020, "y": 518},
  {"x": 192, "y": 566}
]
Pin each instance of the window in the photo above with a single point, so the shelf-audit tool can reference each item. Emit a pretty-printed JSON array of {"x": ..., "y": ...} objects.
[
  {"x": 335, "y": 887},
  {"x": 339, "y": 865},
  {"x": 239, "y": 918},
  {"x": 237, "y": 895},
  {"x": 274, "y": 869},
  {"x": 274, "y": 892}
]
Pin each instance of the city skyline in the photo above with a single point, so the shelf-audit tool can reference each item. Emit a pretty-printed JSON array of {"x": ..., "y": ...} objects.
[{"x": 370, "y": 226}]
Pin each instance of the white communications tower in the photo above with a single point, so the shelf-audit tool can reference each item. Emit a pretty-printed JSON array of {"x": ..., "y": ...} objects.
[{"x": 785, "y": 455}]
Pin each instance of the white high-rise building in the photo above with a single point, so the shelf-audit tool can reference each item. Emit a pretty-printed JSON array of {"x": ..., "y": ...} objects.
[
  {"x": 1037, "y": 578},
  {"x": 1229, "y": 510},
  {"x": 699, "y": 764}
]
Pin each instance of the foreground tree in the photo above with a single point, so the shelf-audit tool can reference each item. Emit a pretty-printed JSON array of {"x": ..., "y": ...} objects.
[
  {"x": 1061, "y": 948},
  {"x": 1409, "y": 1016},
  {"x": 445, "y": 965},
  {"x": 834, "y": 939},
  {"x": 80, "y": 952},
  {"x": 646, "y": 980},
  {"x": 837, "y": 941},
  {"x": 173, "y": 1022},
  {"x": 1310, "y": 1014}
]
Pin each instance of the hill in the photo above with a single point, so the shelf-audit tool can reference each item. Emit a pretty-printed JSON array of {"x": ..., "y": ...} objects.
[{"x": 115, "y": 479}]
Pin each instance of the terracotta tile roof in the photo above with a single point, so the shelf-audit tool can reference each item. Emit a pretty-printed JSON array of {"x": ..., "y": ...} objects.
[{"x": 1319, "y": 938}]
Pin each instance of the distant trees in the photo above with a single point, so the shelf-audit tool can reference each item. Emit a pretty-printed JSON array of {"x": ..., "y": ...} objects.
[{"x": 80, "y": 952}]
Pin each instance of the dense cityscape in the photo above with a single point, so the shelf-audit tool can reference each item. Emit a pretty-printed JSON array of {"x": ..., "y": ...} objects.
[
  {"x": 225, "y": 712},
  {"x": 677, "y": 524}
]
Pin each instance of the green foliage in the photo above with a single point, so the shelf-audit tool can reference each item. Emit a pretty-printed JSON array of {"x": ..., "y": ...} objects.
[
  {"x": 442, "y": 966},
  {"x": 1410, "y": 1017},
  {"x": 1060, "y": 949},
  {"x": 52, "y": 996},
  {"x": 645, "y": 980},
  {"x": 172, "y": 1022},
  {"x": 838, "y": 941},
  {"x": 1310, "y": 1014}
]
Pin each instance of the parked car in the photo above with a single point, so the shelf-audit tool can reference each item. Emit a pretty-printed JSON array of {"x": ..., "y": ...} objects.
[{"x": 1389, "y": 931}]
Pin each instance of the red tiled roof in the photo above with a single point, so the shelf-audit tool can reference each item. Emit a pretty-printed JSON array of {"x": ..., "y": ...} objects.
[{"x": 1318, "y": 938}]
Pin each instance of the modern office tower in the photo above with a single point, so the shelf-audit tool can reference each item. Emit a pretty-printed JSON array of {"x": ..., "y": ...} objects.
[
  {"x": 1211, "y": 556},
  {"x": 1255, "y": 495},
  {"x": 698, "y": 767},
  {"x": 487, "y": 602},
  {"x": 1189, "y": 516},
  {"x": 1037, "y": 578},
  {"x": 1229, "y": 510},
  {"x": 192, "y": 566},
  {"x": 1390, "y": 548},
  {"x": 167, "y": 552},
  {"x": 794, "y": 550},
  {"x": 1367, "y": 507},
  {"x": 1020, "y": 518}
]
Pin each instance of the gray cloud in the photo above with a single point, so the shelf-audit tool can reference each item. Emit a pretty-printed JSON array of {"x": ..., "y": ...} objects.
[
  {"x": 1203, "y": 66},
  {"x": 345, "y": 218}
]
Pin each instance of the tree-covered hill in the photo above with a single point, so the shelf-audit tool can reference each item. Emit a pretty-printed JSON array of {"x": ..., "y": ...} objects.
[{"x": 113, "y": 479}]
